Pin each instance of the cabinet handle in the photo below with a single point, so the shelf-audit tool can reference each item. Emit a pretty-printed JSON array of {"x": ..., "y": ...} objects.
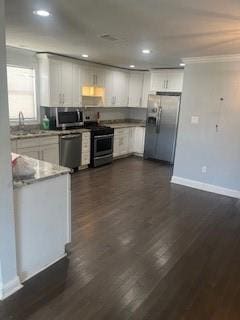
[
  {"x": 63, "y": 98},
  {"x": 167, "y": 85},
  {"x": 140, "y": 102}
]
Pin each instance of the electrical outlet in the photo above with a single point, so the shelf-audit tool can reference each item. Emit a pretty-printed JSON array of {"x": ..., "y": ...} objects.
[
  {"x": 204, "y": 169},
  {"x": 194, "y": 120}
]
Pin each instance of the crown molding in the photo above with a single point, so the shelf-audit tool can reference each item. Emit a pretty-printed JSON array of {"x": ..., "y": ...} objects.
[{"x": 209, "y": 59}]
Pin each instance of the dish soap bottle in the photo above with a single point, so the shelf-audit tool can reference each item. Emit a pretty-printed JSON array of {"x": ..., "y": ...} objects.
[{"x": 45, "y": 123}]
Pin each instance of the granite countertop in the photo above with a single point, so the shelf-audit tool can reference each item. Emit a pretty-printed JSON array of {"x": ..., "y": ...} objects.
[
  {"x": 44, "y": 170},
  {"x": 46, "y": 133},
  {"x": 50, "y": 133},
  {"x": 126, "y": 125}
]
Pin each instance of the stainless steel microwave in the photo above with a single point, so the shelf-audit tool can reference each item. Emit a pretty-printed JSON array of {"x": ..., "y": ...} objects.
[{"x": 69, "y": 118}]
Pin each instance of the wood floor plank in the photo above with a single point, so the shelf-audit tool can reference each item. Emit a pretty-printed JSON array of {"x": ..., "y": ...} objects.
[{"x": 142, "y": 248}]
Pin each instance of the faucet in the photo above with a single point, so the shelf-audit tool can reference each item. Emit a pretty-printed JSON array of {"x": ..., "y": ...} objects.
[{"x": 21, "y": 121}]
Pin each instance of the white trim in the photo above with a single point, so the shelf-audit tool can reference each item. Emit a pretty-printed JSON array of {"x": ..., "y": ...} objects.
[
  {"x": 207, "y": 59},
  {"x": 206, "y": 187},
  {"x": 10, "y": 288},
  {"x": 43, "y": 268}
]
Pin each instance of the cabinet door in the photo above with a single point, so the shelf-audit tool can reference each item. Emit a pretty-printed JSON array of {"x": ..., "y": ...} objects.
[
  {"x": 76, "y": 90},
  {"x": 67, "y": 84},
  {"x": 50, "y": 153},
  {"x": 87, "y": 76},
  {"x": 135, "y": 89},
  {"x": 55, "y": 70},
  {"x": 13, "y": 146},
  {"x": 139, "y": 140},
  {"x": 159, "y": 80},
  {"x": 99, "y": 77},
  {"x": 30, "y": 152},
  {"x": 121, "y": 88},
  {"x": 175, "y": 81},
  {"x": 123, "y": 142},
  {"x": 146, "y": 89},
  {"x": 116, "y": 145},
  {"x": 109, "y": 88},
  {"x": 131, "y": 140}
]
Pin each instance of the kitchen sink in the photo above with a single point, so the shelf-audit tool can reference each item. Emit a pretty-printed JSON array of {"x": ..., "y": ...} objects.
[{"x": 27, "y": 133}]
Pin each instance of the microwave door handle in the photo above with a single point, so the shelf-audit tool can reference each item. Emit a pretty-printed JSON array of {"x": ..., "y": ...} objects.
[{"x": 78, "y": 115}]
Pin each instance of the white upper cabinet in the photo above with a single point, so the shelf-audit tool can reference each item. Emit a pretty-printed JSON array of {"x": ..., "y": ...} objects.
[
  {"x": 92, "y": 76},
  {"x": 116, "y": 88},
  {"x": 76, "y": 92},
  {"x": 51, "y": 79},
  {"x": 59, "y": 82},
  {"x": 175, "y": 80},
  {"x": 121, "y": 84},
  {"x": 166, "y": 80},
  {"x": 136, "y": 89},
  {"x": 66, "y": 77}
]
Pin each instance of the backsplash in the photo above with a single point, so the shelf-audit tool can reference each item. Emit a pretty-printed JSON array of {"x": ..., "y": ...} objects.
[{"x": 106, "y": 114}]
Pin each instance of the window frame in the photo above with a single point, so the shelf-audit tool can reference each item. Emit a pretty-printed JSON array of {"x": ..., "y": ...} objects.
[{"x": 27, "y": 121}]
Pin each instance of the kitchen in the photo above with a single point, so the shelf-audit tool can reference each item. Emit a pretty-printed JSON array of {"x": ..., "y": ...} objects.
[
  {"x": 97, "y": 95},
  {"x": 119, "y": 160}
]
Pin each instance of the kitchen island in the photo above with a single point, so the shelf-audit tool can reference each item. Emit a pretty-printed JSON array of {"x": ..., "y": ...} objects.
[{"x": 42, "y": 208}]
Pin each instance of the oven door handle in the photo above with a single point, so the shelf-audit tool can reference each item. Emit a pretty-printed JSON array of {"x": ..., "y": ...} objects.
[{"x": 104, "y": 136}]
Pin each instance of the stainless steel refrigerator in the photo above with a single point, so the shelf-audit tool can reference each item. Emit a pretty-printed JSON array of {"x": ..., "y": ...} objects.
[{"x": 161, "y": 127}]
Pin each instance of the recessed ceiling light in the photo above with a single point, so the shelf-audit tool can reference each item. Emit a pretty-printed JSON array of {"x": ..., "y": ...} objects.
[
  {"x": 85, "y": 55},
  {"x": 146, "y": 51},
  {"x": 42, "y": 13},
  {"x": 182, "y": 64},
  {"x": 132, "y": 66}
]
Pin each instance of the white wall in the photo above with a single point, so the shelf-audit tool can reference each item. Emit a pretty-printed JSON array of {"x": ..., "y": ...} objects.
[
  {"x": 201, "y": 144},
  {"x": 21, "y": 57},
  {"x": 9, "y": 281}
]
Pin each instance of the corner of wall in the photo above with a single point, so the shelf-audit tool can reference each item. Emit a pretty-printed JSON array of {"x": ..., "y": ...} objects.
[{"x": 10, "y": 288}]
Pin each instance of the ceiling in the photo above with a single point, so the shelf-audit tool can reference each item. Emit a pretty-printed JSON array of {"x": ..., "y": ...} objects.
[{"x": 172, "y": 29}]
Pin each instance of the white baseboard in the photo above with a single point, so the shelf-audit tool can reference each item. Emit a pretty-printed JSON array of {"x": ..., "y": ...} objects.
[
  {"x": 10, "y": 288},
  {"x": 206, "y": 187},
  {"x": 33, "y": 274}
]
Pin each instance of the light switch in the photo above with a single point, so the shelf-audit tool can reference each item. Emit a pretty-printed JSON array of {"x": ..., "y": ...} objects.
[{"x": 195, "y": 120}]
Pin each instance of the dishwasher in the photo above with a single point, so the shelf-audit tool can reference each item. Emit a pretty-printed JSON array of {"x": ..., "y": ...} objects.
[{"x": 70, "y": 151}]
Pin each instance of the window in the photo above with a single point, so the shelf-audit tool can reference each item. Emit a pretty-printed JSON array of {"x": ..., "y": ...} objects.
[{"x": 22, "y": 93}]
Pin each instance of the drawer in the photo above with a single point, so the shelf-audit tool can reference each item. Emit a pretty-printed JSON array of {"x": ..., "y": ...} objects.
[
  {"x": 85, "y": 136},
  {"x": 123, "y": 131},
  {"x": 28, "y": 143},
  {"x": 85, "y": 158},
  {"x": 85, "y": 144},
  {"x": 86, "y": 148},
  {"x": 48, "y": 140}
]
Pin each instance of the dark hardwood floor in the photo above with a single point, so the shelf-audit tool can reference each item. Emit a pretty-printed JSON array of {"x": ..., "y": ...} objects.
[{"x": 141, "y": 249}]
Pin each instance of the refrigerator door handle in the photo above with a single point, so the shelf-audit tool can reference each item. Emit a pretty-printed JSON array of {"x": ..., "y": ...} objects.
[{"x": 159, "y": 120}]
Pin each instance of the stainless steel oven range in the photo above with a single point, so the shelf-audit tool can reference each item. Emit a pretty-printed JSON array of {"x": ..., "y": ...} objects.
[{"x": 101, "y": 145}]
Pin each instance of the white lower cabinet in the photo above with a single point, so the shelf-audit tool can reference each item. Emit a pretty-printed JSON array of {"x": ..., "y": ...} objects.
[
  {"x": 50, "y": 153},
  {"x": 45, "y": 149},
  {"x": 139, "y": 139},
  {"x": 32, "y": 152},
  {"x": 128, "y": 141},
  {"x": 121, "y": 138},
  {"x": 86, "y": 146}
]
